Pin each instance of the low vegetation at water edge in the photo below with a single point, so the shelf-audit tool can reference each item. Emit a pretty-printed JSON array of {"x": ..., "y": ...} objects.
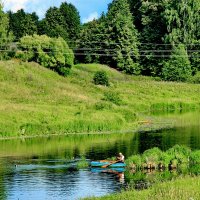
[
  {"x": 173, "y": 158},
  {"x": 183, "y": 188}
]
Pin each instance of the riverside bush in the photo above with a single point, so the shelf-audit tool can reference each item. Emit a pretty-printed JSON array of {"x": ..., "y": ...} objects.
[
  {"x": 177, "y": 155},
  {"x": 195, "y": 157},
  {"x": 152, "y": 155}
]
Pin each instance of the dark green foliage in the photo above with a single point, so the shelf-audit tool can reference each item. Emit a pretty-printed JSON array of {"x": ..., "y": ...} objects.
[
  {"x": 101, "y": 78},
  {"x": 49, "y": 52},
  {"x": 153, "y": 30},
  {"x": 178, "y": 67},
  {"x": 135, "y": 6},
  {"x": 21, "y": 23}
]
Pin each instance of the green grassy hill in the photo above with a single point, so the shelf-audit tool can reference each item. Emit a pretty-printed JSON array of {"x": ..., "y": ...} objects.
[{"x": 36, "y": 101}]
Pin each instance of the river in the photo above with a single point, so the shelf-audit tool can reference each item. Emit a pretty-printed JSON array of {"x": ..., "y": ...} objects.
[{"x": 40, "y": 168}]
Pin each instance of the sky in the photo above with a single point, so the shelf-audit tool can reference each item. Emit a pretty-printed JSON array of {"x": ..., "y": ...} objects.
[{"x": 88, "y": 9}]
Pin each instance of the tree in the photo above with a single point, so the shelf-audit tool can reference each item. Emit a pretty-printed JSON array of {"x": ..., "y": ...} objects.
[
  {"x": 55, "y": 24},
  {"x": 177, "y": 68},
  {"x": 5, "y": 37},
  {"x": 71, "y": 19},
  {"x": 91, "y": 45},
  {"x": 52, "y": 53},
  {"x": 121, "y": 38},
  {"x": 150, "y": 22},
  {"x": 194, "y": 53},
  {"x": 21, "y": 23},
  {"x": 135, "y": 6},
  {"x": 61, "y": 22},
  {"x": 182, "y": 19}
]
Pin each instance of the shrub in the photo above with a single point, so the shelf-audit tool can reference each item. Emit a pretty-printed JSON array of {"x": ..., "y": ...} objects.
[
  {"x": 83, "y": 163},
  {"x": 52, "y": 53},
  {"x": 196, "y": 78},
  {"x": 112, "y": 97},
  {"x": 101, "y": 78},
  {"x": 134, "y": 160},
  {"x": 179, "y": 153},
  {"x": 103, "y": 105},
  {"x": 152, "y": 155},
  {"x": 195, "y": 157}
]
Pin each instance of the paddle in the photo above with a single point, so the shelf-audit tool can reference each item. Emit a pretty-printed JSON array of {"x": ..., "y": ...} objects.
[{"x": 105, "y": 166}]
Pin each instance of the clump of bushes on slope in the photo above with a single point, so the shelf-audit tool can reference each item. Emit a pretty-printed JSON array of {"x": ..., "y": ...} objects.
[
  {"x": 52, "y": 53},
  {"x": 101, "y": 78}
]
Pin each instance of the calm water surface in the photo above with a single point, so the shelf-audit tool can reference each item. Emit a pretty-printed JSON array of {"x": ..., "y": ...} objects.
[{"x": 38, "y": 168}]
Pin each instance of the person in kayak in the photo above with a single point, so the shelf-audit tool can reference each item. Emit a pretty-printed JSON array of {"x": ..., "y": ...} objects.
[{"x": 120, "y": 157}]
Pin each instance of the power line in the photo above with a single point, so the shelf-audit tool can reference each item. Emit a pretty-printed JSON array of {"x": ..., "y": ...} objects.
[
  {"x": 98, "y": 49},
  {"x": 106, "y": 55},
  {"x": 112, "y": 43}
]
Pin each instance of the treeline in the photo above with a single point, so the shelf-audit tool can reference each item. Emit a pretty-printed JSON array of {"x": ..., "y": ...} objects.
[
  {"x": 58, "y": 22},
  {"x": 152, "y": 38}
]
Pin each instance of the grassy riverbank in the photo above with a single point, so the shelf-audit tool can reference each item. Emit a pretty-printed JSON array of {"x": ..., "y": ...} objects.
[
  {"x": 182, "y": 188},
  {"x": 37, "y": 101}
]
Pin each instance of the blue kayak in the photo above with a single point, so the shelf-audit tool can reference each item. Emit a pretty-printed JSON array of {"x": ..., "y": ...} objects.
[
  {"x": 104, "y": 163},
  {"x": 107, "y": 170}
]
